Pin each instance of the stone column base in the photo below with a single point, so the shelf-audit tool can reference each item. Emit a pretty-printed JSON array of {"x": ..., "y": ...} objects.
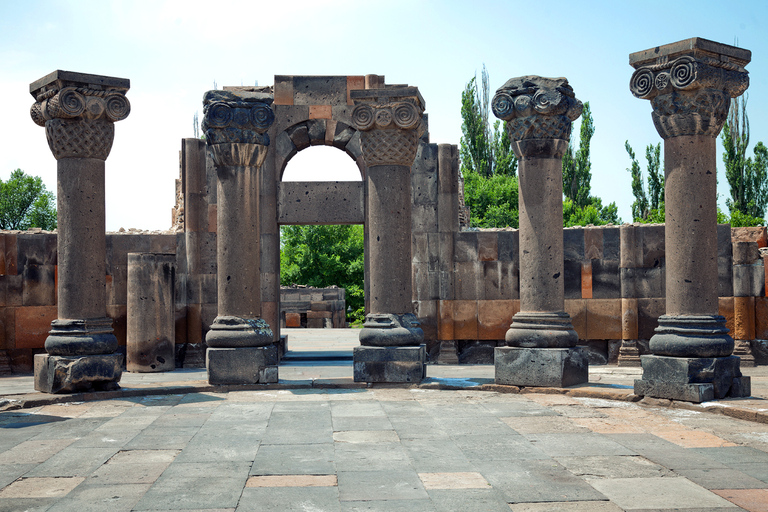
[
  {"x": 551, "y": 367},
  {"x": 743, "y": 349},
  {"x": 535, "y": 329},
  {"x": 692, "y": 379},
  {"x": 244, "y": 365},
  {"x": 390, "y": 364},
  {"x": 448, "y": 353},
  {"x": 76, "y": 374},
  {"x": 629, "y": 354}
]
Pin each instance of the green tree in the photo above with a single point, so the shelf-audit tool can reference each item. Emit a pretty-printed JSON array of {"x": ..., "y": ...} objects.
[
  {"x": 649, "y": 205},
  {"x": 488, "y": 164},
  {"x": 747, "y": 176},
  {"x": 579, "y": 207},
  {"x": 323, "y": 256},
  {"x": 26, "y": 203},
  {"x": 577, "y": 166}
]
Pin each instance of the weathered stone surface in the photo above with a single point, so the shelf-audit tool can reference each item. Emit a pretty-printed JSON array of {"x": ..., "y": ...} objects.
[
  {"x": 246, "y": 365},
  {"x": 692, "y": 336},
  {"x": 71, "y": 374},
  {"x": 388, "y": 330},
  {"x": 552, "y": 367},
  {"x": 541, "y": 330},
  {"x": 679, "y": 372},
  {"x": 236, "y": 332},
  {"x": 389, "y": 364},
  {"x": 151, "y": 319}
]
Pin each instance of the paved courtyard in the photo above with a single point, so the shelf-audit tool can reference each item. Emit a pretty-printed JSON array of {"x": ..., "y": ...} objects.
[
  {"x": 378, "y": 449},
  {"x": 300, "y": 446}
]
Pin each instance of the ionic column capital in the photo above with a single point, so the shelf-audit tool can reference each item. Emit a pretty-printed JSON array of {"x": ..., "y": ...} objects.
[
  {"x": 390, "y": 122},
  {"x": 690, "y": 84},
  {"x": 78, "y": 112},
  {"x": 538, "y": 111},
  {"x": 235, "y": 125}
]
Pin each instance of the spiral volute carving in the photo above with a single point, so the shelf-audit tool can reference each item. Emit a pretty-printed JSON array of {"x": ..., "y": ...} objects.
[{"x": 237, "y": 117}]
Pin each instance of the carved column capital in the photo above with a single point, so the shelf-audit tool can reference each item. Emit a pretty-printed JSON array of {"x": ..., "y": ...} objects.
[
  {"x": 78, "y": 112},
  {"x": 235, "y": 125},
  {"x": 390, "y": 122},
  {"x": 690, "y": 84},
  {"x": 538, "y": 111}
]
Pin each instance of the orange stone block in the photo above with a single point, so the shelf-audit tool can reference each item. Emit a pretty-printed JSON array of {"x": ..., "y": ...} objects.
[
  {"x": 194, "y": 323},
  {"x": 761, "y": 318},
  {"x": 494, "y": 318},
  {"x": 577, "y": 309},
  {"x": 750, "y": 234},
  {"x": 725, "y": 308},
  {"x": 629, "y": 319},
  {"x": 32, "y": 325},
  {"x": 293, "y": 320},
  {"x": 586, "y": 280},
  {"x": 754, "y": 500},
  {"x": 445, "y": 330},
  {"x": 604, "y": 319},
  {"x": 743, "y": 318},
  {"x": 354, "y": 83},
  {"x": 330, "y": 131},
  {"x": 10, "y": 254},
  {"x": 319, "y": 111},
  {"x": 465, "y": 319}
]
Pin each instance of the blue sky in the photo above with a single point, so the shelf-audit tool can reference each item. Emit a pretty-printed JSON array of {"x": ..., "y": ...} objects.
[{"x": 174, "y": 51}]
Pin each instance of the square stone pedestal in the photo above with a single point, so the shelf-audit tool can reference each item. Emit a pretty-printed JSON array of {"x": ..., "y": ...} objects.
[
  {"x": 550, "y": 367},
  {"x": 692, "y": 379},
  {"x": 244, "y": 365},
  {"x": 76, "y": 374},
  {"x": 389, "y": 364}
]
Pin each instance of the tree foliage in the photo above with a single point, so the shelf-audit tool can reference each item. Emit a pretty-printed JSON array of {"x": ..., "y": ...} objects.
[
  {"x": 26, "y": 203},
  {"x": 488, "y": 164},
  {"x": 649, "y": 204},
  {"x": 747, "y": 176},
  {"x": 579, "y": 207},
  {"x": 577, "y": 166},
  {"x": 323, "y": 256}
]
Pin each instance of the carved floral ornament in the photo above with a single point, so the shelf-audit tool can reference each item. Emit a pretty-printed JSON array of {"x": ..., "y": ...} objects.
[
  {"x": 389, "y": 131},
  {"x": 237, "y": 118},
  {"x": 689, "y": 96},
  {"x": 535, "y": 107}
]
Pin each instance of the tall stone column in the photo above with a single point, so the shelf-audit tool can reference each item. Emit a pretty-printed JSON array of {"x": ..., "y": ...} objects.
[
  {"x": 690, "y": 84},
  {"x": 390, "y": 122},
  {"x": 541, "y": 341},
  {"x": 240, "y": 348},
  {"x": 78, "y": 112}
]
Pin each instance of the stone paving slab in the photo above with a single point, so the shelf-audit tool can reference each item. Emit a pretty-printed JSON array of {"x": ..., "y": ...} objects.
[{"x": 227, "y": 460}]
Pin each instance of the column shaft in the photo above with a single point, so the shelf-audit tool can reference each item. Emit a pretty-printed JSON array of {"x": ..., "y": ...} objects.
[
  {"x": 691, "y": 225},
  {"x": 541, "y": 234},
  {"x": 238, "y": 253},
  {"x": 389, "y": 235},
  {"x": 81, "y": 238}
]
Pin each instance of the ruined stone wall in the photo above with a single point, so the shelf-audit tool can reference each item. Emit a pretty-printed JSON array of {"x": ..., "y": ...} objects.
[{"x": 313, "y": 308}]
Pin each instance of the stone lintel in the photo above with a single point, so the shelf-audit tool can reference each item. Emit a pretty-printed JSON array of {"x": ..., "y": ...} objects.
[
  {"x": 389, "y": 364},
  {"x": 307, "y": 202},
  {"x": 60, "y": 79},
  {"x": 537, "y": 367},
  {"x": 388, "y": 94},
  {"x": 695, "y": 47}
]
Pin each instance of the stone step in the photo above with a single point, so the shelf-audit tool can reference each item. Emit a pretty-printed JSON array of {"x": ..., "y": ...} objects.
[{"x": 5, "y": 363}]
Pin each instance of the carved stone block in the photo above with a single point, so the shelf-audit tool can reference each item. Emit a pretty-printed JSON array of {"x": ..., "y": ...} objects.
[
  {"x": 551, "y": 367},
  {"x": 71, "y": 374},
  {"x": 247, "y": 365},
  {"x": 390, "y": 364}
]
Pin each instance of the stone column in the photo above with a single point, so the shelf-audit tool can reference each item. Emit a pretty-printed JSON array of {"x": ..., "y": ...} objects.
[
  {"x": 390, "y": 122},
  {"x": 151, "y": 308},
  {"x": 541, "y": 341},
  {"x": 78, "y": 112},
  {"x": 690, "y": 84},
  {"x": 240, "y": 348}
]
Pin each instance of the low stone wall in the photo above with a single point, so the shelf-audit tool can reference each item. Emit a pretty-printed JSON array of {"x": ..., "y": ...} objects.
[
  {"x": 313, "y": 308},
  {"x": 465, "y": 291}
]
